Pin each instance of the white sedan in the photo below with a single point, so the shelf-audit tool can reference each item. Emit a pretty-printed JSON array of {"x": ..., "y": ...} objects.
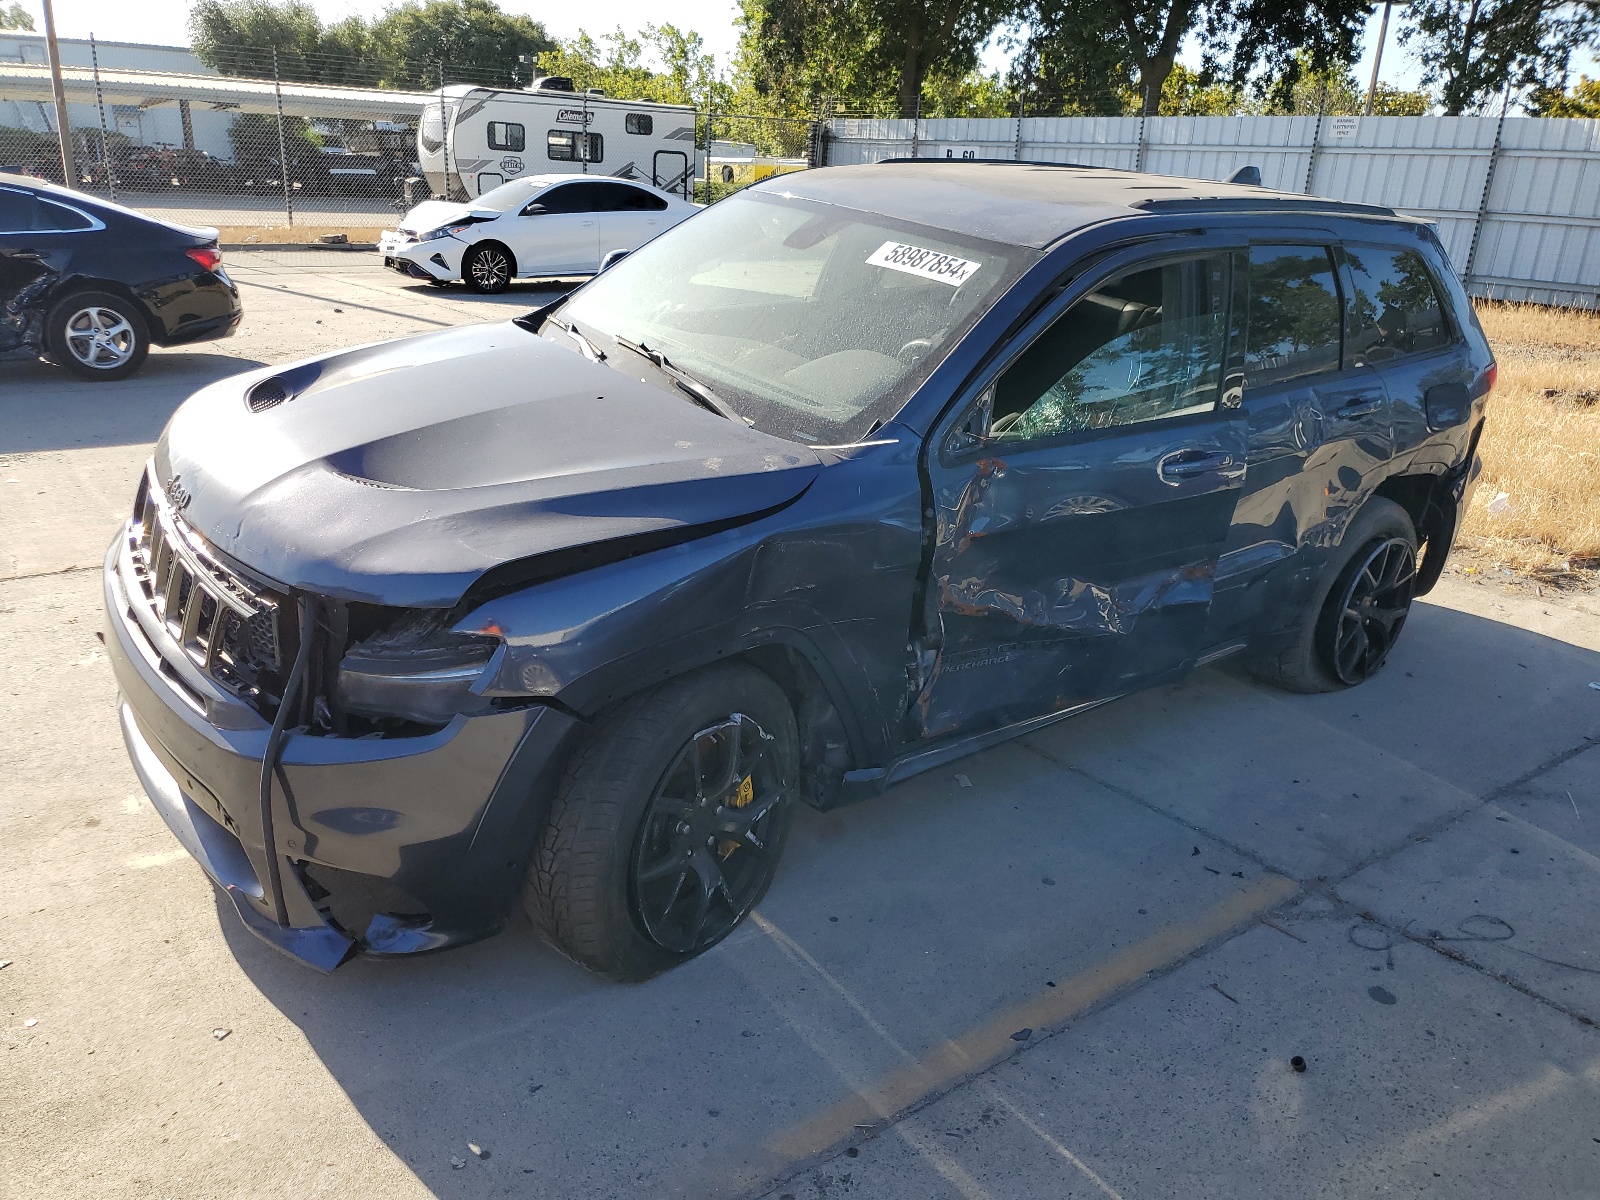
[{"x": 539, "y": 225}]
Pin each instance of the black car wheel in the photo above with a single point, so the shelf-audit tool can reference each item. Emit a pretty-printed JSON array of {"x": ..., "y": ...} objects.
[
  {"x": 668, "y": 826},
  {"x": 1364, "y": 617},
  {"x": 1345, "y": 634},
  {"x": 487, "y": 268},
  {"x": 97, "y": 335}
]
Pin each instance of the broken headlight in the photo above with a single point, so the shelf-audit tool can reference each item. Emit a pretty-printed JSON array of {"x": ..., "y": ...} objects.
[
  {"x": 415, "y": 671},
  {"x": 455, "y": 227}
]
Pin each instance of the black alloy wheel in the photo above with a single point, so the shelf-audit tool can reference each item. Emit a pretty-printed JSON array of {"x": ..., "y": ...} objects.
[
  {"x": 668, "y": 823},
  {"x": 703, "y": 855},
  {"x": 487, "y": 269},
  {"x": 1362, "y": 625}
]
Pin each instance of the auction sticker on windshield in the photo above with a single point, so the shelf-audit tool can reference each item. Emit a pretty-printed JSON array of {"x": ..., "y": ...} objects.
[{"x": 929, "y": 264}]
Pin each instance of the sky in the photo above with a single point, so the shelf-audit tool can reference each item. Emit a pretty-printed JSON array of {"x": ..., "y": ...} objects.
[{"x": 164, "y": 22}]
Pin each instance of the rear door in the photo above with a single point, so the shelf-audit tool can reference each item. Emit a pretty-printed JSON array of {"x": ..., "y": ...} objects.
[
  {"x": 557, "y": 232},
  {"x": 1397, "y": 326},
  {"x": 629, "y": 216},
  {"x": 1320, "y": 434},
  {"x": 1082, "y": 502}
]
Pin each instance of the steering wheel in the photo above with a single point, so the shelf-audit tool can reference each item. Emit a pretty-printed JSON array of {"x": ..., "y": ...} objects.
[{"x": 914, "y": 349}]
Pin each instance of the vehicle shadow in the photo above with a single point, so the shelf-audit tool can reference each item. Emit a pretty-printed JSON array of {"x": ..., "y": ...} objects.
[
  {"x": 913, "y": 918},
  {"x": 43, "y": 407},
  {"x": 521, "y": 295}
]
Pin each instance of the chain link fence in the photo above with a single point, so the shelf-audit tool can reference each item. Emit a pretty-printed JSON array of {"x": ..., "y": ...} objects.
[{"x": 298, "y": 148}]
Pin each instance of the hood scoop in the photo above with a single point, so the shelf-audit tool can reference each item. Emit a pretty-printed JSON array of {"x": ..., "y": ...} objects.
[{"x": 286, "y": 385}]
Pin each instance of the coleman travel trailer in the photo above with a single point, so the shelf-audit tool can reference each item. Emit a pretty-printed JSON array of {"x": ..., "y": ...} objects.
[{"x": 472, "y": 139}]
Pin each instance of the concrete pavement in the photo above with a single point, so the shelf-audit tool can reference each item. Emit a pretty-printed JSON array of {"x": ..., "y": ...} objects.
[{"x": 1080, "y": 964}]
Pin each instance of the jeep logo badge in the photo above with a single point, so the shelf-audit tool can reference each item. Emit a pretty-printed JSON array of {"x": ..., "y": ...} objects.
[{"x": 177, "y": 495}]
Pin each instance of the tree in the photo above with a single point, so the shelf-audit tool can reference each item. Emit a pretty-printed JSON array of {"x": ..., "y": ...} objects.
[
  {"x": 1073, "y": 61},
  {"x": 473, "y": 37},
  {"x": 14, "y": 16},
  {"x": 239, "y": 37},
  {"x": 873, "y": 50},
  {"x": 1236, "y": 37},
  {"x": 1583, "y": 100},
  {"x": 615, "y": 63},
  {"x": 402, "y": 48},
  {"x": 1334, "y": 91},
  {"x": 1476, "y": 50}
]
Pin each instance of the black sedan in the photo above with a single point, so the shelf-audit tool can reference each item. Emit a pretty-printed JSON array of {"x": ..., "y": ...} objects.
[
  {"x": 92, "y": 285},
  {"x": 852, "y": 473}
]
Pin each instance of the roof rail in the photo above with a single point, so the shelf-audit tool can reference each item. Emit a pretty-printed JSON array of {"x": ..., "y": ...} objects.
[
  {"x": 1004, "y": 162},
  {"x": 1267, "y": 203}
]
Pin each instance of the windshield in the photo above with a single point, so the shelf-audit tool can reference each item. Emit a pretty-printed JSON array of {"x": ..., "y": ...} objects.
[
  {"x": 508, "y": 195},
  {"x": 814, "y": 321}
]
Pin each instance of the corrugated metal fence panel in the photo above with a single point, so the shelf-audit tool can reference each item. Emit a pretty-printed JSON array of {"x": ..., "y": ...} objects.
[
  {"x": 1216, "y": 147},
  {"x": 1092, "y": 141},
  {"x": 1541, "y": 235},
  {"x": 1540, "y": 232}
]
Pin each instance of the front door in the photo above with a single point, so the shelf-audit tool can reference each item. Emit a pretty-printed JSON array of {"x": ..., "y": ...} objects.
[
  {"x": 557, "y": 232},
  {"x": 1081, "y": 505}
]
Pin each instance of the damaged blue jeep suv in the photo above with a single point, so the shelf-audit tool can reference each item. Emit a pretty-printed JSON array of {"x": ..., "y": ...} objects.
[{"x": 858, "y": 471}]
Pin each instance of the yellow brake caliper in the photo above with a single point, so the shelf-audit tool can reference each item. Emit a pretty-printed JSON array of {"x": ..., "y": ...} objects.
[{"x": 742, "y": 797}]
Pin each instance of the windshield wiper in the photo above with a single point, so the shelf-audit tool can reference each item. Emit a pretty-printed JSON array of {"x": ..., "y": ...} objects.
[
  {"x": 687, "y": 383},
  {"x": 594, "y": 352}
]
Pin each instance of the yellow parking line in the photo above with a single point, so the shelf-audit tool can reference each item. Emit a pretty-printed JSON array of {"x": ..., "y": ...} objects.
[{"x": 988, "y": 1043}]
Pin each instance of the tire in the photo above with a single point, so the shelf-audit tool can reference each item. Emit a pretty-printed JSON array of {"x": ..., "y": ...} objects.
[
  {"x": 488, "y": 268},
  {"x": 621, "y": 873},
  {"x": 1345, "y": 634},
  {"x": 97, "y": 335}
]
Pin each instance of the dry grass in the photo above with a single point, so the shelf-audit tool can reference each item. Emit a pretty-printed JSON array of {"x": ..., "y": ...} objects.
[{"x": 1541, "y": 445}]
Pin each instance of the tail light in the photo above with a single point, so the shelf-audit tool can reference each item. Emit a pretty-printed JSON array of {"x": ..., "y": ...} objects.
[
  {"x": 209, "y": 257},
  {"x": 1489, "y": 377}
]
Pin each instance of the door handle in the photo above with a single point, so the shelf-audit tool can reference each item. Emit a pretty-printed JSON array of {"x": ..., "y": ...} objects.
[
  {"x": 1358, "y": 408},
  {"x": 1186, "y": 464}
]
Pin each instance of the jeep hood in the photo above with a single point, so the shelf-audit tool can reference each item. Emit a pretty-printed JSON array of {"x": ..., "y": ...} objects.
[{"x": 399, "y": 473}]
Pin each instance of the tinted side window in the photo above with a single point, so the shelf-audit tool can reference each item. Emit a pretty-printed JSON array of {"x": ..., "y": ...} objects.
[
  {"x": 564, "y": 198},
  {"x": 1294, "y": 322},
  {"x": 639, "y": 123},
  {"x": 1143, "y": 346},
  {"x": 619, "y": 197},
  {"x": 507, "y": 135},
  {"x": 16, "y": 211},
  {"x": 59, "y": 217},
  {"x": 638, "y": 200},
  {"x": 1393, "y": 307}
]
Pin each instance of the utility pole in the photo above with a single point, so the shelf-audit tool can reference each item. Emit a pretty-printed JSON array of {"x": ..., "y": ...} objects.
[
  {"x": 1377, "y": 57},
  {"x": 69, "y": 163}
]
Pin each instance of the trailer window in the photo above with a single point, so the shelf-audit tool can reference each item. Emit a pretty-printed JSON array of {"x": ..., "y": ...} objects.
[
  {"x": 507, "y": 135},
  {"x": 568, "y": 145},
  {"x": 640, "y": 123}
]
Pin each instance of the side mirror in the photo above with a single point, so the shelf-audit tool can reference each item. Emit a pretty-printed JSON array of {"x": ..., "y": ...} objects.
[
  {"x": 533, "y": 210},
  {"x": 1233, "y": 390},
  {"x": 613, "y": 259},
  {"x": 974, "y": 432}
]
